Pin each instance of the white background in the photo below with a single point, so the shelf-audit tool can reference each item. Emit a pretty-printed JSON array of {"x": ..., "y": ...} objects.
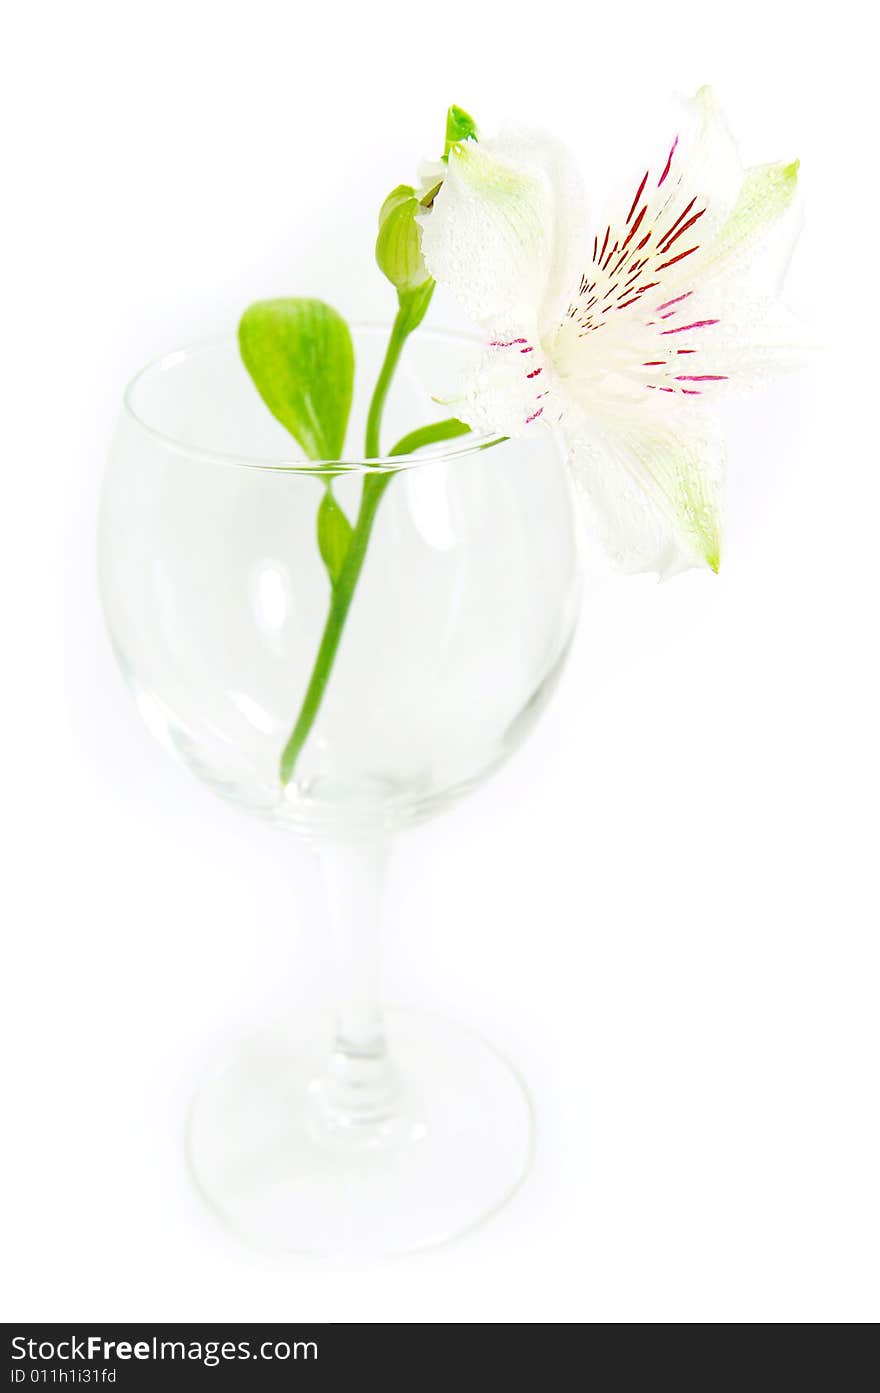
[{"x": 665, "y": 909}]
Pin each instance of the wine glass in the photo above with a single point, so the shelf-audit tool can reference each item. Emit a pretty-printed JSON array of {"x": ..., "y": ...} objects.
[{"x": 373, "y": 1132}]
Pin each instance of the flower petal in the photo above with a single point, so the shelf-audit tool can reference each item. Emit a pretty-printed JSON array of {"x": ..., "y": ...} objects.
[
  {"x": 694, "y": 326},
  {"x": 726, "y": 332},
  {"x": 652, "y": 481},
  {"x": 660, "y": 232},
  {"x": 571, "y": 237},
  {"x": 702, "y": 164},
  {"x": 644, "y": 263},
  {"x": 510, "y": 389},
  {"x": 497, "y": 234},
  {"x": 734, "y": 364},
  {"x": 743, "y": 269}
]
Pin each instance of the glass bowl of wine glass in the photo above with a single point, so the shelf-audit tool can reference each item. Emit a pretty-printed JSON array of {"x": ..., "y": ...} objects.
[{"x": 344, "y": 682}]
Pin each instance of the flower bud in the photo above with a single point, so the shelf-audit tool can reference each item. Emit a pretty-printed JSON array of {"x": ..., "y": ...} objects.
[
  {"x": 398, "y": 245},
  {"x": 459, "y": 126}
]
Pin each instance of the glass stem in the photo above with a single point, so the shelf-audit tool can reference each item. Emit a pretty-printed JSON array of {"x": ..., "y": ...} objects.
[{"x": 360, "y": 1084}]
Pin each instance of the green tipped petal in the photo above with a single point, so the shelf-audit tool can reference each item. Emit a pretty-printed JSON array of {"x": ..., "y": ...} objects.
[
  {"x": 768, "y": 191},
  {"x": 682, "y": 484},
  {"x": 653, "y": 480}
]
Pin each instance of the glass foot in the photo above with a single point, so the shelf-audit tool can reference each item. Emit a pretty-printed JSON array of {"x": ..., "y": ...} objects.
[{"x": 287, "y": 1172}]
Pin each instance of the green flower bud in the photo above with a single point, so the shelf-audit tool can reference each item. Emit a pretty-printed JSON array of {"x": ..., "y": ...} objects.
[
  {"x": 459, "y": 126},
  {"x": 401, "y": 194},
  {"x": 398, "y": 245}
]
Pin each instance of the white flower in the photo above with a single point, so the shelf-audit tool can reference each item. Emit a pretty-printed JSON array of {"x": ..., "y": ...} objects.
[{"x": 620, "y": 335}]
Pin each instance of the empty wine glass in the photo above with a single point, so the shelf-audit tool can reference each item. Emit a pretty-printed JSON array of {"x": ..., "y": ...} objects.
[{"x": 377, "y": 1133}]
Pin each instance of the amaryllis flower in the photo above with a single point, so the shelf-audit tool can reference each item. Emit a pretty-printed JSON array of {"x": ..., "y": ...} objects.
[{"x": 620, "y": 332}]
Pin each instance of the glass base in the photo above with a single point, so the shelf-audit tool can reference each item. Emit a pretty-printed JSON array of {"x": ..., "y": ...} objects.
[{"x": 286, "y": 1172}]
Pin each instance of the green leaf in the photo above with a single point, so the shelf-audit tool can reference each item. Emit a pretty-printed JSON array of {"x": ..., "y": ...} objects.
[
  {"x": 300, "y": 356},
  {"x": 429, "y": 435},
  {"x": 334, "y": 535}
]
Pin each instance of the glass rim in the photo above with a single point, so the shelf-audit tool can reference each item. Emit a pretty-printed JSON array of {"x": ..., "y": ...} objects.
[{"x": 458, "y": 447}]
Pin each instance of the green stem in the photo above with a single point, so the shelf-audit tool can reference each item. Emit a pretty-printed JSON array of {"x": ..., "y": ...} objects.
[
  {"x": 343, "y": 593},
  {"x": 399, "y": 331},
  {"x": 410, "y": 313}
]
